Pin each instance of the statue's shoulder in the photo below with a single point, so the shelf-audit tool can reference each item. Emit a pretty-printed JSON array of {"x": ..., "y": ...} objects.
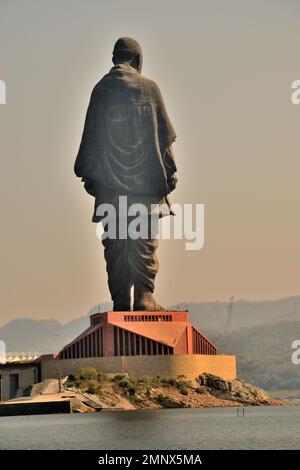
[
  {"x": 99, "y": 85},
  {"x": 149, "y": 82},
  {"x": 151, "y": 86},
  {"x": 137, "y": 81}
]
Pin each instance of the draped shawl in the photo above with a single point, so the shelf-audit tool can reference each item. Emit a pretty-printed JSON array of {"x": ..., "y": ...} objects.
[{"x": 126, "y": 133}]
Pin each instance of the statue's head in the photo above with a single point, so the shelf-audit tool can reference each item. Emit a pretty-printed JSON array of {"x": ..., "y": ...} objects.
[{"x": 128, "y": 50}]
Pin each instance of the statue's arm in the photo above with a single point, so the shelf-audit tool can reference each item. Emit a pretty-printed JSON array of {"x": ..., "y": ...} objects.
[
  {"x": 83, "y": 153},
  {"x": 87, "y": 151},
  {"x": 167, "y": 136}
]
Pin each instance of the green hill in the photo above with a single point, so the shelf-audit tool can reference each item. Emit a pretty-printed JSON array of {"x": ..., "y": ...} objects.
[{"x": 264, "y": 354}]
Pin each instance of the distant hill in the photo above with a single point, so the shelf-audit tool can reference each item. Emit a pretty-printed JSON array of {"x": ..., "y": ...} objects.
[
  {"x": 40, "y": 336},
  {"x": 44, "y": 336},
  {"x": 264, "y": 354},
  {"x": 213, "y": 317}
]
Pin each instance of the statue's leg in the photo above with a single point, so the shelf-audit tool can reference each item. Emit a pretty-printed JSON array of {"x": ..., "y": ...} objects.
[
  {"x": 143, "y": 265},
  {"x": 119, "y": 279}
]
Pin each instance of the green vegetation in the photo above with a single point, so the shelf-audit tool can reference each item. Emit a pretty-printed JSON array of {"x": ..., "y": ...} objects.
[
  {"x": 132, "y": 389},
  {"x": 264, "y": 354},
  {"x": 184, "y": 390},
  {"x": 93, "y": 387},
  {"x": 124, "y": 383},
  {"x": 161, "y": 399},
  {"x": 165, "y": 401},
  {"x": 128, "y": 392},
  {"x": 181, "y": 383},
  {"x": 134, "y": 385},
  {"x": 117, "y": 378},
  {"x": 128, "y": 384},
  {"x": 87, "y": 379}
]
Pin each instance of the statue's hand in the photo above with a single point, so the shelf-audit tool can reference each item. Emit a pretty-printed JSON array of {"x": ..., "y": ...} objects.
[{"x": 172, "y": 181}]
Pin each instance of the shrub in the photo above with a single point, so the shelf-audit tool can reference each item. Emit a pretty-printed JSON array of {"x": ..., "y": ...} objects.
[
  {"x": 88, "y": 373},
  {"x": 172, "y": 381},
  {"x": 168, "y": 381},
  {"x": 143, "y": 380},
  {"x": 182, "y": 383},
  {"x": 184, "y": 390},
  {"x": 124, "y": 383},
  {"x": 133, "y": 380},
  {"x": 199, "y": 390},
  {"x": 71, "y": 378},
  {"x": 132, "y": 389},
  {"x": 70, "y": 383},
  {"x": 119, "y": 377},
  {"x": 93, "y": 386},
  {"x": 165, "y": 401},
  {"x": 161, "y": 398}
]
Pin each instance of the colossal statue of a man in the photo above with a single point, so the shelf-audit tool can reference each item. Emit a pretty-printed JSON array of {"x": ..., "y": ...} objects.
[{"x": 126, "y": 151}]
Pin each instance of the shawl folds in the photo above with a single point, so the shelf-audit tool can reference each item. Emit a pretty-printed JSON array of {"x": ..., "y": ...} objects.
[{"x": 126, "y": 133}]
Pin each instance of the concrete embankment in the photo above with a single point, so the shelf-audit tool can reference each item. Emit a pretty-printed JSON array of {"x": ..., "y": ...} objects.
[{"x": 35, "y": 408}]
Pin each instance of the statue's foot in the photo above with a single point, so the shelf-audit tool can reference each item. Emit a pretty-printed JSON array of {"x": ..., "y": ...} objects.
[
  {"x": 144, "y": 301},
  {"x": 122, "y": 303}
]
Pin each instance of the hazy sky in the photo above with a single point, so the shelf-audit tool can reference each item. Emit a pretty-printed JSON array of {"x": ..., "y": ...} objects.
[{"x": 225, "y": 70}]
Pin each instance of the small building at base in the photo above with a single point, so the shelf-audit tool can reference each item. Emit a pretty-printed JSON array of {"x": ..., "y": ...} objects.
[{"x": 16, "y": 377}]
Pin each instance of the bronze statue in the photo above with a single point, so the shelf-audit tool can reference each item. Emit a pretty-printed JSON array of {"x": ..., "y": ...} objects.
[{"x": 126, "y": 151}]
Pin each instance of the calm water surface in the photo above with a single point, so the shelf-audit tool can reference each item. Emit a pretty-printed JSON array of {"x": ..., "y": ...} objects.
[{"x": 261, "y": 428}]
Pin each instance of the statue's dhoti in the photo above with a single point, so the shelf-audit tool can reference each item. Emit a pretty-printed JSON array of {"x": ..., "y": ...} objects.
[{"x": 132, "y": 262}]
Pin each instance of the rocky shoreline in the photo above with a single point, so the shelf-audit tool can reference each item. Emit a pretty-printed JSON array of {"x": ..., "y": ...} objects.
[{"x": 122, "y": 392}]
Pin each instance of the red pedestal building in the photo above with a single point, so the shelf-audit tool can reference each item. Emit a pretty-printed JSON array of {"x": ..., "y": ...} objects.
[{"x": 138, "y": 333}]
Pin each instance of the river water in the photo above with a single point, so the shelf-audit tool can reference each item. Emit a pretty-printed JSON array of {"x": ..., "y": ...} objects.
[{"x": 200, "y": 429}]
